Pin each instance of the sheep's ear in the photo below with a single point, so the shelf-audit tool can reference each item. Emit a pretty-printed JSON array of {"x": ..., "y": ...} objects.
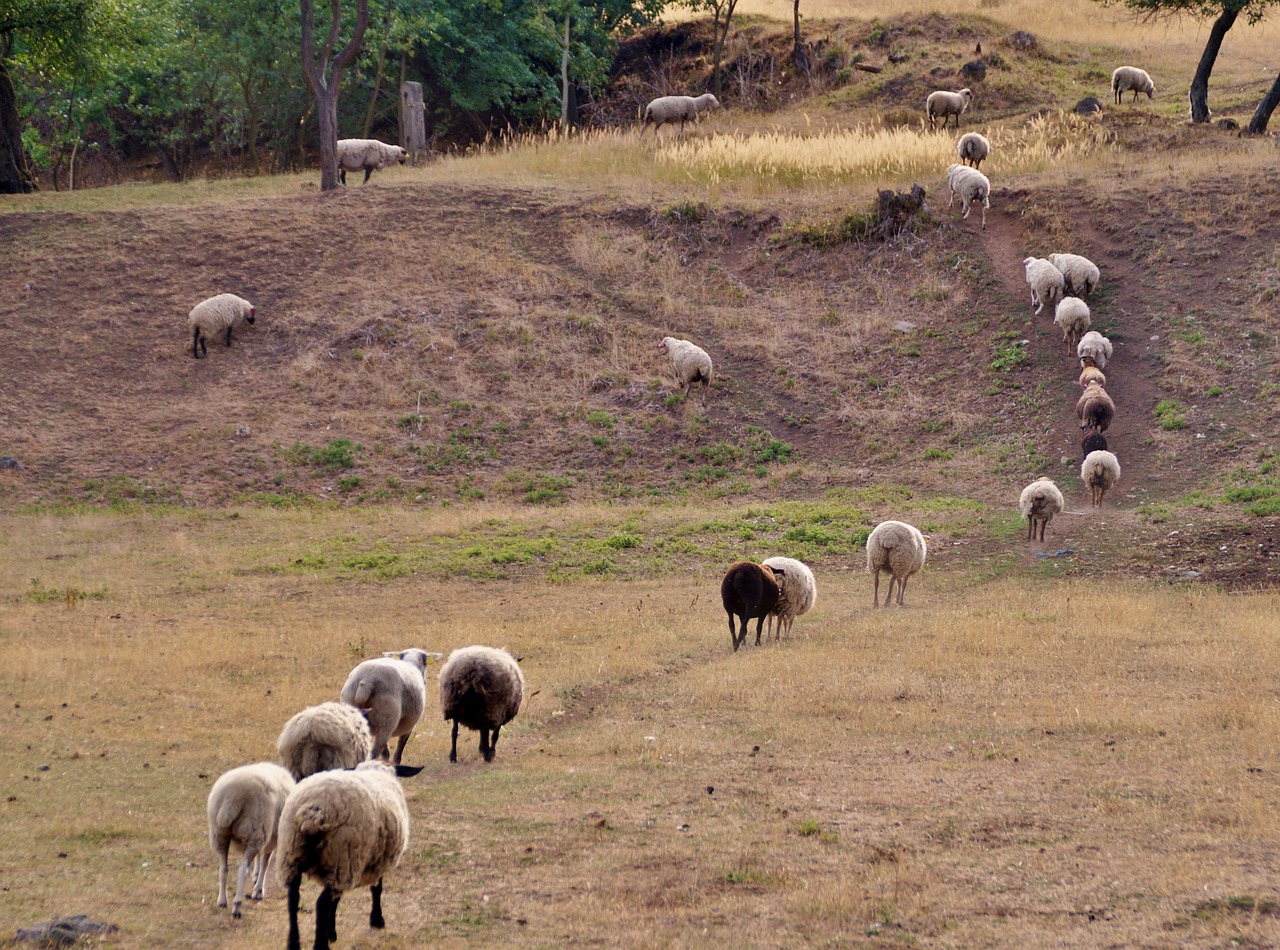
[
  {"x": 408, "y": 771},
  {"x": 393, "y": 654},
  {"x": 434, "y": 658}
]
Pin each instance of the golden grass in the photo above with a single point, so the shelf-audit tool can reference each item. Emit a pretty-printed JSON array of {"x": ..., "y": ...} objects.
[{"x": 987, "y": 767}]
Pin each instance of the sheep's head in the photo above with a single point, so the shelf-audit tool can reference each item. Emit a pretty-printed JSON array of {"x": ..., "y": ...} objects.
[
  {"x": 401, "y": 155},
  {"x": 249, "y": 316},
  {"x": 966, "y": 94},
  {"x": 662, "y": 345}
]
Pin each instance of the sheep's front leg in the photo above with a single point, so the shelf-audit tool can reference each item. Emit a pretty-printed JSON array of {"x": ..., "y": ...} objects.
[
  {"x": 453, "y": 751},
  {"x": 228, "y": 336},
  {"x": 368, "y": 170}
]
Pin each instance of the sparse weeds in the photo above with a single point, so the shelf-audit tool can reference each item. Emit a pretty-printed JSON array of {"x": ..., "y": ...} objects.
[{"x": 1171, "y": 415}]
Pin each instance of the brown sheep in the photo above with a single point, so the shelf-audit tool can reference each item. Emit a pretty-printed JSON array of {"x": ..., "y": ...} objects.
[{"x": 749, "y": 590}]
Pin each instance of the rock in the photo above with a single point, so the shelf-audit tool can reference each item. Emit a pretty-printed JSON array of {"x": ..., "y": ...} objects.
[
  {"x": 64, "y": 931},
  {"x": 1229, "y": 124},
  {"x": 1023, "y": 40},
  {"x": 974, "y": 71},
  {"x": 8, "y": 461},
  {"x": 904, "y": 326},
  {"x": 1088, "y": 105}
]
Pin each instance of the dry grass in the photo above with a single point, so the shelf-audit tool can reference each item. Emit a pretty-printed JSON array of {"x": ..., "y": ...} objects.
[{"x": 1005, "y": 763}]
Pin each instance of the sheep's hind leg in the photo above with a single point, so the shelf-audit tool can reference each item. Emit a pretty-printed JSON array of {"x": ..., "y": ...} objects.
[
  {"x": 294, "y": 889},
  {"x": 375, "y": 914},
  {"x": 368, "y": 170},
  {"x": 453, "y": 751},
  {"x": 486, "y": 749},
  {"x": 404, "y": 739}
]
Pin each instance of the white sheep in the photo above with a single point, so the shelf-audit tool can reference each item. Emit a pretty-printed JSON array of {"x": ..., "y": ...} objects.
[
  {"x": 797, "y": 592},
  {"x": 218, "y": 313},
  {"x": 244, "y": 808},
  {"x": 369, "y": 154},
  {"x": 898, "y": 548},
  {"x": 1046, "y": 281},
  {"x": 1099, "y": 471},
  {"x": 972, "y": 148},
  {"x": 1072, "y": 315},
  {"x": 480, "y": 688},
  {"x": 1038, "y": 503},
  {"x": 323, "y": 737},
  {"x": 1079, "y": 274},
  {"x": 690, "y": 361},
  {"x": 1091, "y": 374},
  {"x": 1124, "y": 78},
  {"x": 1094, "y": 349},
  {"x": 391, "y": 691},
  {"x": 680, "y": 109},
  {"x": 344, "y": 829},
  {"x": 942, "y": 105},
  {"x": 971, "y": 185}
]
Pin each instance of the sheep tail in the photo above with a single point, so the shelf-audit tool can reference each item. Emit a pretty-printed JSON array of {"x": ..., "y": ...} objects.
[
  {"x": 363, "y": 692},
  {"x": 227, "y": 815}
]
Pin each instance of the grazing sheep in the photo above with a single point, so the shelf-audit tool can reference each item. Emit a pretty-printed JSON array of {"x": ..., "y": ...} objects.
[
  {"x": 972, "y": 148},
  {"x": 215, "y": 315},
  {"x": 1046, "y": 281},
  {"x": 244, "y": 807},
  {"x": 898, "y": 548},
  {"x": 1090, "y": 374},
  {"x": 971, "y": 185},
  {"x": 391, "y": 691},
  {"x": 1079, "y": 274},
  {"x": 680, "y": 109},
  {"x": 691, "y": 363},
  {"x": 480, "y": 688},
  {"x": 324, "y": 737},
  {"x": 1094, "y": 408},
  {"x": 1072, "y": 314},
  {"x": 1124, "y": 78},
  {"x": 942, "y": 105},
  {"x": 344, "y": 829},
  {"x": 1093, "y": 442},
  {"x": 1100, "y": 471},
  {"x": 749, "y": 590},
  {"x": 369, "y": 154},
  {"x": 1039, "y": 502},
  {"x": 1095, "y": 348},
  {"x": 797, "y": 593}
]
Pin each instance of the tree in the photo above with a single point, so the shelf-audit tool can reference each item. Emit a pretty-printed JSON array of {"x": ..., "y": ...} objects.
[
  {"x": 721, "y": 15},
  {"x": 325, "y": 78},
  {"x": 1262, "y": 115}
]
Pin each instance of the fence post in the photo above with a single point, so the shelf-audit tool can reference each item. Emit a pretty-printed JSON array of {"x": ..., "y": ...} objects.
[{"x": 413, "y": 128}]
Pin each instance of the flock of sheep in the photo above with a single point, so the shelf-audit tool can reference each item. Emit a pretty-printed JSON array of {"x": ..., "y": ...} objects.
[{"x": 334, "y": 809}]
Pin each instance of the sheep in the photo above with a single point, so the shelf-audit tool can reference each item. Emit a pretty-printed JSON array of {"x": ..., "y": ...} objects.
[
  {"x": 1091, "y": 373},
  {"x": 1038, "y": 503},
  {"x": 691, "y": 363},
  {"x": 1100, "y": 471},
  {"x": 942, "y": 105},
  {"x": 1072, "y": 314},
  {"x": 1093, "y": 442},
  {"x": 369, "y": 154},
  {"x": 1079, "y": 274},
  {"x": 1094, "y": 408},
  {"x": 749, "y": 590},
  {"x": 797, "y": 593},
  {"x": 680, "y": 109},
  {"x": 1046, "y": 281},
  {"x": 1095, "y": 348},
  {"x": 1124, "y": 78},
  {"x": 480, "y": 688},
  {"x": 391, "y": 691},
  {"x": 218, "y": 313},
  {"x": 971, "y": 185},
  {"x": 345, "y": 829},
  {"x": 972, "y": 148},
  {"x": 323, "y": 737},
  {"x": 244, "y": 807},
  {"x": 898, "y": 548}
]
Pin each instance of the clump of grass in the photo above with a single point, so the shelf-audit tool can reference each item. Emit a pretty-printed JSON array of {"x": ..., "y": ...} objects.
[{"x": 1171, "y": 415}]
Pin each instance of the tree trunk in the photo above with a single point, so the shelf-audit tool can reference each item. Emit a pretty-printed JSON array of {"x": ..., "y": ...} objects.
[
  {"x": 1200, "y": 83},
  {"x": 326, "y": 81},
  {"x": 799, "y": 52},
  {"x": 721, "y": 36},
  {"x": 15, "y": 177},
  {"x": 1258, "y": 124},
  {"x": 371, "y": 111},
  {"x": 564, "y": 77},
  {"x": 327, "y": 121}
]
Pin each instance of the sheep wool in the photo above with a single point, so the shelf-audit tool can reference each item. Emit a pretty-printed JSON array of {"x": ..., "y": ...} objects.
[
  {"x": 1095, "y": 408},
  {"x": 1124, "y": 78},
  {"x": 1090, "y": 374},
  {"x": 797, "y": 592},
  {"x": 942, "y": 105},
  {"x": 680, "y": 109},
  {"x": 1072, "y": 315},
  {"x": 1046, "y": 281},
  {"x": 324, "y": 737},
  {"x": 971, "y": 185},
  {"x": 215, "y": 315},
  {"x": 1099, "y": 471},
  {"x": 367, "y": 154},
  {"x": 691, "y": 363},
  {"x": 244, "y": 808},
  {"x": 1079, "y": 274},
  {"x": 749, "y": 590},
  {"x": 391, "y": 691},
  {"x": 972, "y": 148},
  {"x": 899, "y": 549},
  {"x": 1095, "y": 348},
  {"x": 1038, "y": 503},
  {"x": 343, "y": 829},
  {"x": 480, "y": 688}
]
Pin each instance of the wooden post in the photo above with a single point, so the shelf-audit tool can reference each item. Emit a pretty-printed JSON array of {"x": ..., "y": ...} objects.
[{"x": 413, "y": 128}]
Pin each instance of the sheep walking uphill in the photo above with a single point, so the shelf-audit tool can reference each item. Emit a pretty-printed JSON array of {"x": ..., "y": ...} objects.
[
  {"x": 244, "y": 808},
  {"x": 749, "y": 590},
  {"x": 1045, "y": 280},
  {"x": 215, "y": 315},
  {"x": 691, "y": 363},
  {"x": 1095, "y": 408},
  {"x": 324, "y": 737},
  {"x": 1080, "y": 275},
  {"x": 797, "y": 593},
  {"x": 1072, "y": 315},
  {"x": 1038, "y": 503},
  {"x": 971, "y": 185},
  {"x": 480, "y": 688},
  {"x": 1094, "y": 349},
  {"x": 391, "y": 691},
  {"x": 899, "y": 549},
  {"x": 1099, "y": 471},
  {"x": 344, "y": 829},
  {"x": 1091, "y": 374},
  {"x": 1092, "y": 442},
  {"x": 680, "y": 109},
  {"x": 367, "y": 154},
  {"x": 942, "y": 105},
  {"x": 1125, "y": 78},
  {"x": 972, "y": 148}
]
